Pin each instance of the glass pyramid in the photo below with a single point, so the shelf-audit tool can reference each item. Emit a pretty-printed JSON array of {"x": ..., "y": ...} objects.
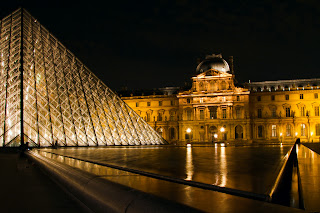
[{"x": 48, "y": 97}]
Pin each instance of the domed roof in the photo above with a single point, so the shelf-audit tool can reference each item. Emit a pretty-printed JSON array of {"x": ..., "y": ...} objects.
[{"x": 215, "y": 62}]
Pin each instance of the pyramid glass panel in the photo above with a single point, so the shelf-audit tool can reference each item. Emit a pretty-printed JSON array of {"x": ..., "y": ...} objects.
[{"x": 48, "y": 97}]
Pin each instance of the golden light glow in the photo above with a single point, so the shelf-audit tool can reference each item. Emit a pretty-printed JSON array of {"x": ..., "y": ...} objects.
[
  {"x": 222, "y": 129},
  {"x": 296, "y": 133},
  {"x": 311, "y": 133},
  {"x": 188, "y": 130},
  {"x": 280, "y": 134},
  {"x": 215, "y": 135}
]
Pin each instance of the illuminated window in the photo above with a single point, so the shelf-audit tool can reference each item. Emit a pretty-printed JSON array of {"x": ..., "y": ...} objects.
[
  {"x": 287, "y": 97},
  {"x": 201, "y": 114},
  {"x": 273, "y": 130},
  {"x": 148, "y": 104},
  {"x": 259, "y": 98},
  {"x": 288, "y": 130},
  {"x": 272, "y": 97},
  {"x": 302, "y": 111},
  {"x": 224, "y": 113},
  {"x": 317, "y": 129},
  {"x": 287, "y": 111},
  {"x": 160, "y": 103},
  {"x": 303, "y": 130},
  {"x": 301, "y": 96},
  {"x": 315, "y": 95},
  {"x": 316, "y": 111},
  {"x": 259, "y": 113},
  {"x": 201, "y": 100}
]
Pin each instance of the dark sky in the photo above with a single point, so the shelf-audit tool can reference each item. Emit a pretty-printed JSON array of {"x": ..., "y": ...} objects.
[{"x": 150, "y": 44}]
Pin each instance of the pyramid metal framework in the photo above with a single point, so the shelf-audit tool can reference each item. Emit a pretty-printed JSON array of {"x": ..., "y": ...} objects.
[{"x": 48, "y": 97}]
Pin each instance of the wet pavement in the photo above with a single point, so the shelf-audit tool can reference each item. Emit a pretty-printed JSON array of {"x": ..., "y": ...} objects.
[
  {"x": 252, "y": 168},
  {"x": 309, "y": 168},
  {"x": 201, "y": 199}
]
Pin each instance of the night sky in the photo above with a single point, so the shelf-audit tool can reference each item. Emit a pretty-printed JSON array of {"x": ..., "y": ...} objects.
[{"x": 151, "y": 44}]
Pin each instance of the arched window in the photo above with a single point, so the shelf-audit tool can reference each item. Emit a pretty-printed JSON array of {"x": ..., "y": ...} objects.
[{"x": 238, "y": 132}]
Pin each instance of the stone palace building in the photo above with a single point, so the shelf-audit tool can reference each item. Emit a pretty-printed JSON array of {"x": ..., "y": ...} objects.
[{"x": 214, "y": 109}]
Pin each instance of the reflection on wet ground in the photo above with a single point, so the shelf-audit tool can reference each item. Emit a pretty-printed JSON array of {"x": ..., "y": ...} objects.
[{"x": 249, "y": 168}]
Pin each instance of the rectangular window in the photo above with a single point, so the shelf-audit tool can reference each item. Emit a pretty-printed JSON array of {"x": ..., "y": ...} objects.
[
  {"x": 259, "y": 113},
  {"x": 160, "y": 103},
  {"x": 317, "y": 129},
  {"x": 137, "y": 104},
  {"x": 301, "y": 96},
  {"x": 201, "y": 100},
  {"x": 159, "y": 116},
  {"x": 172, "y": 116},
  {"x": 315, "y": 95},
  {"x": 148, "y": 116},
  {"x": 213, "y": 112},
  {"x": 302, "y": 111},
  {"x": 189, "y": 115},
  {"x": 238, "y": 113},
  {"x": 188, "y": 101},
  {"x": 316, "y": 111},
  {"x": 272, "y": 97},
  {"x": 287, "y": 97},
  {"x": 260, "y": 131},
  {"x": 303, "y": 130},
  {"x": 274, "y": 112},
  {"x": 201, "y": 114},
  {"x": 148, "y": 104},
  {"x": 288, "y": 130},
  {"x": 171, "y": 102},
  {"x": 259, "y": 98},
  {"x": 287, "y": 111},
  {"x": 224, "y": 113},
  {"x": 273, "y": 130},
  {"x": 238, "y": 98}
]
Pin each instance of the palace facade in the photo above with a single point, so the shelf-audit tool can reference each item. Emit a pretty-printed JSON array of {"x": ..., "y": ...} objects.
[{"x": 214, "y": 109}]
